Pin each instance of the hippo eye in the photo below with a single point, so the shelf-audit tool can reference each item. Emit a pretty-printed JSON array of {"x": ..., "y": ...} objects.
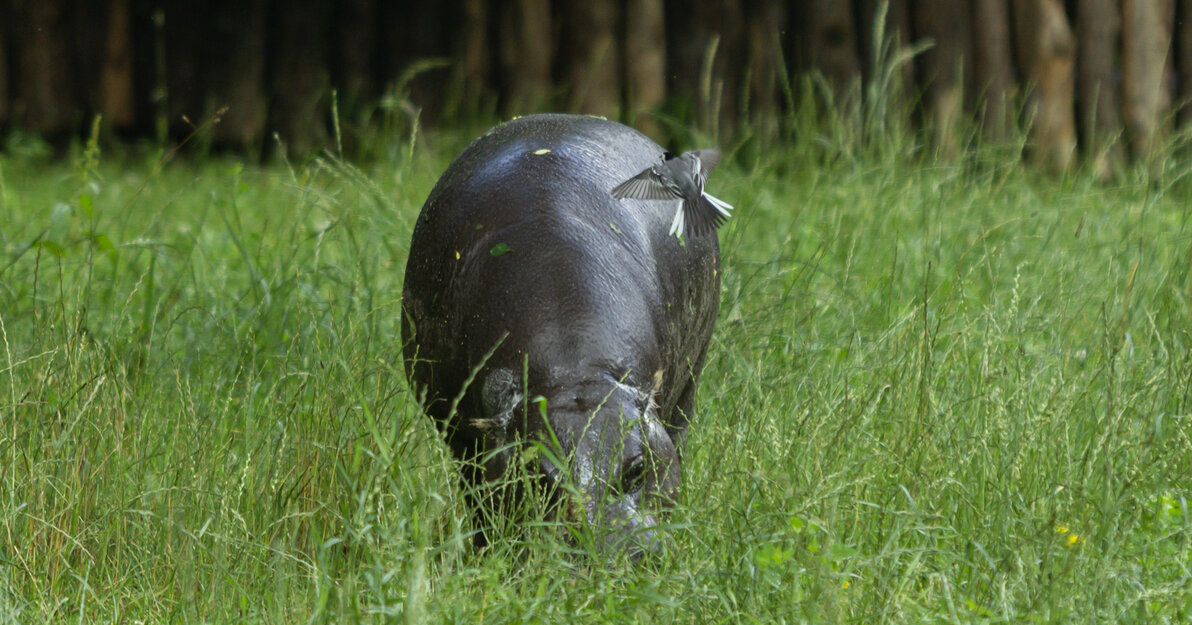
[{"x": 633, "y": 473}]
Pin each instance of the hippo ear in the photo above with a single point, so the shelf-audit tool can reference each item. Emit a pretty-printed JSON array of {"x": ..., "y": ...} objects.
[{"x": 498, "y": 394}]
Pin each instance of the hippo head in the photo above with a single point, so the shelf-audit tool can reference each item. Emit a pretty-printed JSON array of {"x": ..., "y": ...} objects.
[{"x": 619, "y": 464}]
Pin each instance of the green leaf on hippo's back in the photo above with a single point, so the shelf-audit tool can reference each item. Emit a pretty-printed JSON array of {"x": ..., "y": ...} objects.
[{"x": 499, "y": 249}]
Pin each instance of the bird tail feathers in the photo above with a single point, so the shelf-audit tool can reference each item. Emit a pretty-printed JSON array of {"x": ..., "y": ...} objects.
[{"x": 677, "y": 222}]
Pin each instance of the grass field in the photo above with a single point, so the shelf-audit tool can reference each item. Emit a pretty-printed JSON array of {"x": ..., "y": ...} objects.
[{"x": 939, "y": 391}]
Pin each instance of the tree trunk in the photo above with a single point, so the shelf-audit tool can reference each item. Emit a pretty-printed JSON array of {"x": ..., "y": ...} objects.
[
  {"x": 300, "y": 81},
  {"x": 428, "y": 30},
  {"x": 526, "y": 51},
  {"x": 765, "y": 22},
  {"x": 1047, "y": 51},
  {"x": 731, "y": 57},
  {"x": 594, "y": 72},
  {"x": 475, "y": 65},
  {"x": 4, "y": 41},
  {"x": 356, "y": 40},
  {"x": 704, "y": 58},
  {"x": 1184, "y": 60},
  {"x": 993, "y": 66},
  {"x": 896, "y": 37},
  {"x": 116, "y": 102},
  {"x": 830, "y": 46},
  {"x": 46, "y": 96},
  {"x": 238, "y": 72},
  {"x": 1098, "y": 26},
  {"x": 645, "y": 64},
  {"x": 946, "y": 66},
  {"x": 185, "y": 45},
  {"x": 688, "y": 31},
  {"x": 1146, "y": 42}
]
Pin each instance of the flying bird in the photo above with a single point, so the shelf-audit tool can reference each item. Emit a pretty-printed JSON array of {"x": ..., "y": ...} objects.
[{"x": 681, "y": 178}]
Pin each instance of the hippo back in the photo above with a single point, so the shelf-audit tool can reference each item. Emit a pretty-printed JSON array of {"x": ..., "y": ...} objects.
[{"x": 522, "y": 260}]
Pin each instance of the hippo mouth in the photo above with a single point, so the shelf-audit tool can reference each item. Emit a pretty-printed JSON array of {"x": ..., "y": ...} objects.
[
  {"x": 617, "y": 505},
  {"x": 625, "y": 528},
  {"x": 615, "y": 526}
]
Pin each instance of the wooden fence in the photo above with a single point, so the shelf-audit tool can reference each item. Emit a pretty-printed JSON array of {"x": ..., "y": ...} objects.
[{"x": 1103, "y": 78}]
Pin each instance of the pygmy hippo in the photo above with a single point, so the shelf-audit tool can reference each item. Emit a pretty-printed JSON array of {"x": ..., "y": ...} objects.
[{"x": 538, "y": 306}]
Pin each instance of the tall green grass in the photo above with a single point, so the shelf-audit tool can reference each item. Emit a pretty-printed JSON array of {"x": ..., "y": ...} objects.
[{"x": 938, "y": 391}]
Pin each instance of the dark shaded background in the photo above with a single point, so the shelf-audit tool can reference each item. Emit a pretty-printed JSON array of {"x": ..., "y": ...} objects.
[{"x": 1102, "y": 78}]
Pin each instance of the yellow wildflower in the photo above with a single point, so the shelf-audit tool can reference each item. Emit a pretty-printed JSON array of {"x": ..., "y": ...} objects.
[{"x": 1061, "y": 529}]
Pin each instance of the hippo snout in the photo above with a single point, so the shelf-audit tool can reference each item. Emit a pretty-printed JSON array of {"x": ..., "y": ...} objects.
[
  {"x": 625, "y": 488},
  {"x": 618, "y": 522}
]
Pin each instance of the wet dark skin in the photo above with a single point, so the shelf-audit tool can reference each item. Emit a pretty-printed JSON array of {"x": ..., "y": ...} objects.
[{"x": 525, "y": 269}]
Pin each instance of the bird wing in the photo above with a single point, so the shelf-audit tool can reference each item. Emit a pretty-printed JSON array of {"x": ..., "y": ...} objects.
[
  {"x": 645, "y": 186},
  {"x": 708, "y": 159}
]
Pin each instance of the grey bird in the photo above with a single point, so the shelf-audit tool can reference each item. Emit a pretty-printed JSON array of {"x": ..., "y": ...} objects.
[{"x": 681, "y": 178}]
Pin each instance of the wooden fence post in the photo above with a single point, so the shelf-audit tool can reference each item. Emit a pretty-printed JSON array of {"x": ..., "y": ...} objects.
[{"x": 1146, "y": 96}]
